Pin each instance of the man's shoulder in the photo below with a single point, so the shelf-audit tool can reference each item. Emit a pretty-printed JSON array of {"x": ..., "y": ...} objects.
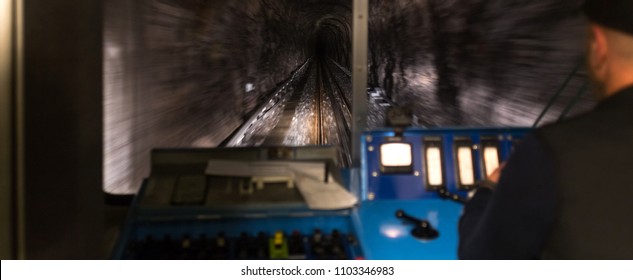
[
  {"x": 577, "y": 131},
  {"x": 577, "y": 124},
  {"x": 609, "y": 117},
  {"x": 588, "y": 131}
]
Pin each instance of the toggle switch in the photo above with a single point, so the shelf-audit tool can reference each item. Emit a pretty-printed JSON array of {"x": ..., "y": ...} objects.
[{"x": 422, "y": 228}]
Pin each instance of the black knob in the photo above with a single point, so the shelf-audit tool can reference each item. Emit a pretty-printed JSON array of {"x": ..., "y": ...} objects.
[
  {"x": 445, "y": 194},
  {"x": 352, "y": 240},
  {"x": 242, "y": 246},
  {"x": 261, "y": 251},
  {"x": 220, "y": 241},
  {"x": 425, "y": 232},
  {"x": 185, "y": 242},
  {"x": 317, "y": 236}
]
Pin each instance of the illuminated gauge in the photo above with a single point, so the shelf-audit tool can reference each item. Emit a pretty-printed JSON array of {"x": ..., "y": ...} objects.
[
  {"x": 465, "y": 164},
  {"x": 433, "y": 163},
  {"x": 396, "y": 157},
  {"x": 491, "y": 156}
]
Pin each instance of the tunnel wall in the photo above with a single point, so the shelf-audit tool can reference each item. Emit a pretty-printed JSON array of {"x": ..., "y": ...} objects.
[
  {"x": 477, "y": 62},
  {"x": 176, "y": 72}
]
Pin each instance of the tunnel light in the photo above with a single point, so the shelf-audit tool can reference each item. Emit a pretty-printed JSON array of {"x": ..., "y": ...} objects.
[
  {"x": 396, "y": 157},
  {"x": 433, "y": 163},
  {"x": 491, "y": 158},
  {"x": 465, "y": 166},
  {"x": 249, "y": 87}
]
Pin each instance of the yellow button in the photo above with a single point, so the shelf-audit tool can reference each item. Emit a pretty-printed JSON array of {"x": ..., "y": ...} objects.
[{"x": 279, "y": 238}]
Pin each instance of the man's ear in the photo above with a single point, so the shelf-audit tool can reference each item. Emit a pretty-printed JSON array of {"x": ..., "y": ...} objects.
[{"x": 598, "y": 52}]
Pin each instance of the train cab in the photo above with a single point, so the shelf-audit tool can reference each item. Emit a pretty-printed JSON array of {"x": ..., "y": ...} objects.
[{"x": 268, "y": 130}]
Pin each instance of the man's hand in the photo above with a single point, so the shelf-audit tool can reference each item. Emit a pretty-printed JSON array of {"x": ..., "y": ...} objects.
[
  {"x": 491, "y": 181},
  {"x": 494, "y": 176}
]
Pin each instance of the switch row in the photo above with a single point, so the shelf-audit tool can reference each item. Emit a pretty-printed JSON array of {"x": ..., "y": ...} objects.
[{"x": 279, "y": 245}]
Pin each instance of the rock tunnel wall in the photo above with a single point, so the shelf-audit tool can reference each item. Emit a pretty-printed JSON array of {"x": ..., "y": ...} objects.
[
  {"x": 182, "y": 73},
  {"x": 477, "y": 62}
]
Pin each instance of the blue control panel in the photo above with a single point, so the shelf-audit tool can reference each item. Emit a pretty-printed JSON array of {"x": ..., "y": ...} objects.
[
  {"x": 411, "y": 187},
  {"x": 427, "y": 185},
  {"x": 181, "y": 212},
  {"x": 384, "y": 236}
]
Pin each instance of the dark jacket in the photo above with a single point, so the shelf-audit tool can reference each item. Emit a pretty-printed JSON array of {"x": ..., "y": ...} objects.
[{"x": 566, "y": 192}]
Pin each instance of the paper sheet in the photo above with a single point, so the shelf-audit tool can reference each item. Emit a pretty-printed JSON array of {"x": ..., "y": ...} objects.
[{"x": 320, "y": 195}]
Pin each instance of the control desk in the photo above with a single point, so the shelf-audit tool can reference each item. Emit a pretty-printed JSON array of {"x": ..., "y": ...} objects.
[
  {"x": 409, "y": 188},
  {"x": 413, "y": 186}
]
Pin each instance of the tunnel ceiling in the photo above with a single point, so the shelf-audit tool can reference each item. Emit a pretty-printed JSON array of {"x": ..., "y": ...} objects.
[{"x": 182, "y": 73}]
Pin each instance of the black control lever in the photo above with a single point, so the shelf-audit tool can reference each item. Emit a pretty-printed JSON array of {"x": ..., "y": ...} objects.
[
  {"x": 422, "y": 228},
  {"x": 454, "y": 197}
]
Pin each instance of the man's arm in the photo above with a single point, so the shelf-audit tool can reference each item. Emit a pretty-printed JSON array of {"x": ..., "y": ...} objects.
[{"x": 514, "y": 220}]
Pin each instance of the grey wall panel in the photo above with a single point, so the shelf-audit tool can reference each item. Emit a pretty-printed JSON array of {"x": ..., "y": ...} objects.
[
  {"x": 63, "y": 199},
  {"x": 6, "y": 226}
]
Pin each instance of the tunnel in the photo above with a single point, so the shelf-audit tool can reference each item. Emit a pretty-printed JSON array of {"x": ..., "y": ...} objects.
[{"x": 208, "y": 73}]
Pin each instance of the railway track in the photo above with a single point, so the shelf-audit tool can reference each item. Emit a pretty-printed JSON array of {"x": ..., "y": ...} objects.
[{"x": 315, "y": 110}]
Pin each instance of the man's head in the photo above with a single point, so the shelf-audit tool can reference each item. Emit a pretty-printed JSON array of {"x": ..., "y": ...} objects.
[{"x": 610, "y": 53}]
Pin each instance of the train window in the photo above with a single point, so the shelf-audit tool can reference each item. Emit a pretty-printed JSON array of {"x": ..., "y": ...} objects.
[
  {"x": 396, "y": 157},
  {"x": 433, "y": 163}
]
